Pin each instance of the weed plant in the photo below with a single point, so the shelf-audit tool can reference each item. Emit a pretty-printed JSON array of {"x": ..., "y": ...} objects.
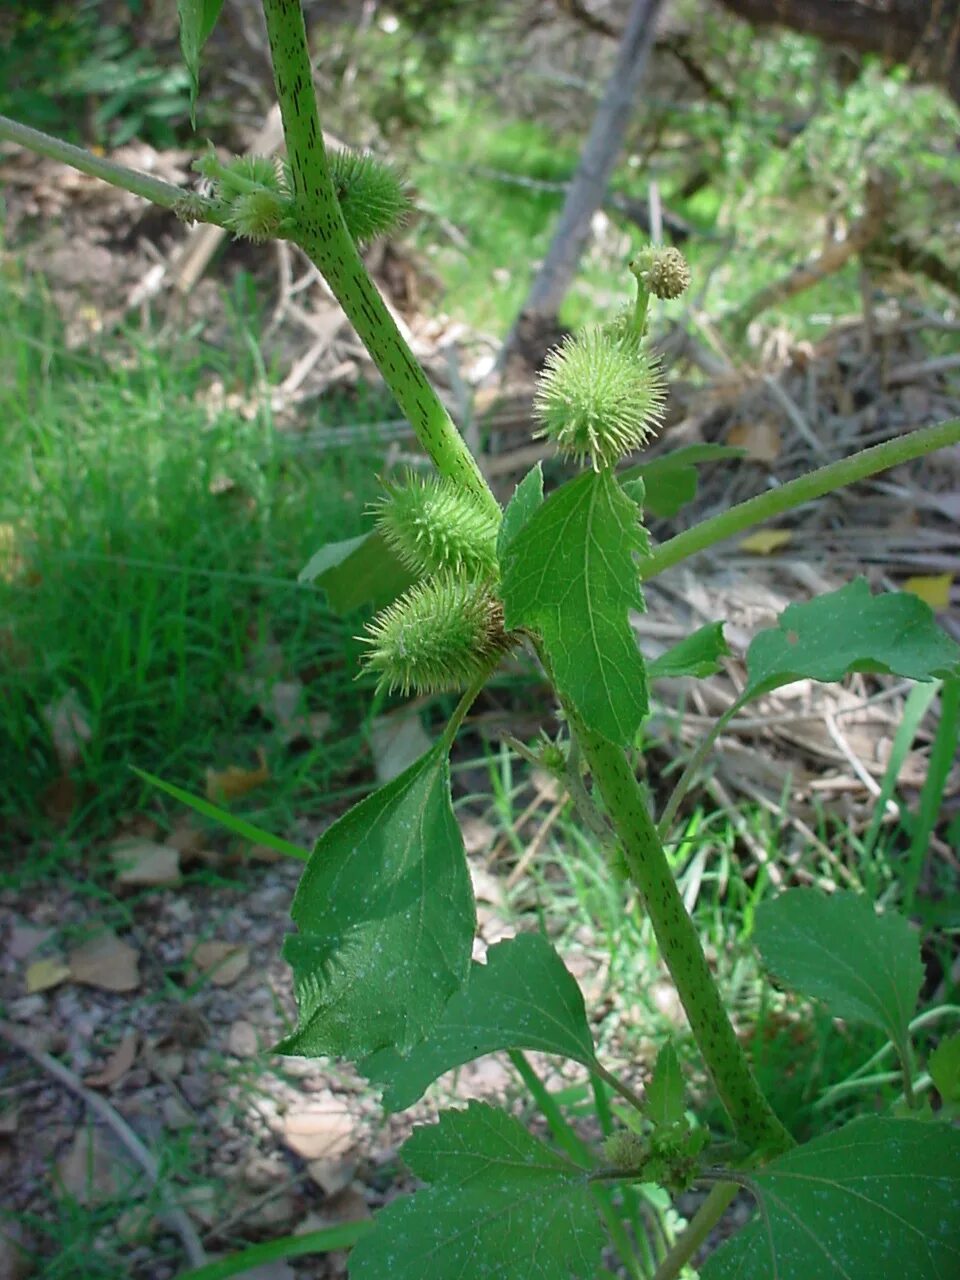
[{"x": 385, "y": 912}]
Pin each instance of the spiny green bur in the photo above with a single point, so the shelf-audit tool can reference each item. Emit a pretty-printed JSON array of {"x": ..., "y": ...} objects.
[
  {"x": 435, "y": 527},
  {"x": 437, "y": 637}
]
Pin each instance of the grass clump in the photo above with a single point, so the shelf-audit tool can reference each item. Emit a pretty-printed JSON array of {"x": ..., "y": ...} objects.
[{"x": 149, "y": 551}]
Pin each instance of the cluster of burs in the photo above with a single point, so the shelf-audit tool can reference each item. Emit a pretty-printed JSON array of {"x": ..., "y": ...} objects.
[{"x": 600, "y": 397}]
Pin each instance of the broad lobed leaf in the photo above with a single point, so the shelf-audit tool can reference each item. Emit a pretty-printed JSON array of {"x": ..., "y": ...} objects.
[
  {"x": 835, "y": 947},
  {"x": 570, "y": 574},
  {"x": 386, "y": 919},
  {"x": 502, "y": 1205},
  {"x": 851, "y": 630},
  {"x": 878, "y": 1198},
  {"x": 522, "y": 998}
]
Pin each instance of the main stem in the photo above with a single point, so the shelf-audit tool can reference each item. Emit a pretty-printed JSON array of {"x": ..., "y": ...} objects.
[
  {"x": 323, "y": 236},
  {"x": 750, "y": 1113}
]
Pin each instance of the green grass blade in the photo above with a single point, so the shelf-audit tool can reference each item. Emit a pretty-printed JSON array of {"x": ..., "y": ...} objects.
[
  {"x": 258, "y": 1255},
  {"x": 931, "y": 797},
  {"x": 237, "y": 825},
  {"x": 915, "y": 708}
]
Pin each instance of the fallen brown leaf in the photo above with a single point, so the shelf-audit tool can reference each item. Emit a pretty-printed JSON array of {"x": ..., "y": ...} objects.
[
  {"x": 234, "y": 781},
  {"x": 222, "y": 962},
  {"x": 59, "y": 799},
  {"x": 332, "y": 1176},
  {"x": 24, "y": 939},
  {"x": 765, "y": 541},
  {"x": 91, "y": 1171},
  {"x": 117, "y": 1065},
  {"x": 760, "y": 438},
  {"x": 105, "y": 961},
  {"x": 144, "y": 863}
]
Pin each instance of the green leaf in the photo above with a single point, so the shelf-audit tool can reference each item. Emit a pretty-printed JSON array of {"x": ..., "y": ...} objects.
[
  {"x": 357, "y": 571},
  {"x": 663, "y": 1099},
  {"x": 865, "y": 967},
  {"x": 197, "y": 20},
  {"x": 879, "y": 1198},
  {"x": 502, "y": 1205},
  {"x": 697, "y": 655},
  {"x": 527, "y": 497},
  {"x": 944, "y": 1068},
  {"x": 522, "y": 998},
  {"x": 671, "y": 480},
  {"x": 386, "y": 920},
  {"x": 851, "y": 630},
  {"x": 238, "y": 826},
  {"x": 570, "y": 574}
]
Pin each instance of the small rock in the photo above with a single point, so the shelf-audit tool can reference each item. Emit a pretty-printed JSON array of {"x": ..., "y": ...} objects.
[
  {"x": 200, "y": 1201},
  {"x": 262, "y": 1172},
  {"x": 242, "y": 1040},
  {"x": 176, "y": 1115},
  {"x": 196, "y": 1089},
  {"x": 323, "y": 1132},
  {"x": 222, "y": 962},
  {"x": 27, "y": 1008}
]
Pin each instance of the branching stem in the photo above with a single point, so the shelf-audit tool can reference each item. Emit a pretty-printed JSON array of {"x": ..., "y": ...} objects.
[
  {"x": 837, "y": 475},
  {"x": 166, "y": 194}
]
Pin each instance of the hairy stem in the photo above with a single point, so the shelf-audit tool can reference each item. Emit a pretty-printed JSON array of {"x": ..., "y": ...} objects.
[
  {"x": 752, "y": 1117},
  {"x": 704, "y": 1220},
  {"x": 804, "y": 489},
  {"x": 323, "y": 236},
  {"x": 165, "y": 194}
]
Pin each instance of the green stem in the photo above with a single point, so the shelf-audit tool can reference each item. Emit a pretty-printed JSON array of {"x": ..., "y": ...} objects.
[
  {"x": 618, "y": 1086},
  {"x": 750, "y": 1113},
  {"x": 579, "y": 1152},
  {"x": 690, "y": 771},
  {"x": 804, "y": 489},
  {"x": 165, "y": 194},
  {"x": 704, "y": 1220},
  {"x": 323, "y": 236}
]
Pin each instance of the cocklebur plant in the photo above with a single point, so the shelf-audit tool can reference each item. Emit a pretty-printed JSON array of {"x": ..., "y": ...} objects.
[{"x": 385, "y": 916}]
